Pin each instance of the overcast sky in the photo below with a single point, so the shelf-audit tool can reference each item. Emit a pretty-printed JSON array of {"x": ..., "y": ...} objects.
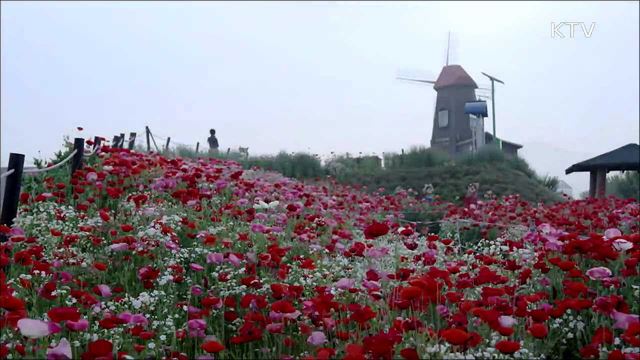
[{"x": 316, "y": 77}]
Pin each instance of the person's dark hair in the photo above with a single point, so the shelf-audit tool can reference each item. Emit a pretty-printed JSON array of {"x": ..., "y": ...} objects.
[{"x": 212, "y": 131}]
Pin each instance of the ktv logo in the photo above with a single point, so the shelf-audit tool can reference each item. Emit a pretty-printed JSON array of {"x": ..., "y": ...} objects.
[{"x": 559, "y": 30}]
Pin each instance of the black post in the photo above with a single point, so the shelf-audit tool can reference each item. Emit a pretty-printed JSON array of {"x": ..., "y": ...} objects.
[
  {"x": 115, "y": 141},
  {"x": 146, "y": 128},
  {"x": 12, "y": 190},
  {"x": 121, "y": 140},
  {"x": 97, "y": 140},
  {"x": 76, "y": 161},
  {"x": 167, "y": 147},
  {"x": 132, "y": 140},
  {"x": 197, "y": 147}
]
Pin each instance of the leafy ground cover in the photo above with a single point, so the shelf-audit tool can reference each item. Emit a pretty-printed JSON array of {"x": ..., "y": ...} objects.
[{"x": 141, "y": 256}]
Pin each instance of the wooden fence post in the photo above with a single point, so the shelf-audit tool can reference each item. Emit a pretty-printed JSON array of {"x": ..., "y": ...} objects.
[
  {"x": 12, "y": 190},
  {"x": 146, "y": 128},
  {"x": 76, "y": 161},
  {"x": 132, "y": 140},
  {"x": 167, "y": 147},
  {"x": 97, "y": 140},
  {"x": 197, "y": 147}
]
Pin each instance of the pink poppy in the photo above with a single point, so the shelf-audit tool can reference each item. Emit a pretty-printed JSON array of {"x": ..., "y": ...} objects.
[
  {"x": 62, "y": 351},
  {"x": 33, "y": 329},
  {"x": 599, "y": 273},
  {"x": 317, "y": 338}
]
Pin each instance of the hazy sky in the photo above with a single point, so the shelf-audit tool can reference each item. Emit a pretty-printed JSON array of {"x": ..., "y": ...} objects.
[{"x": 301, "y": 76}]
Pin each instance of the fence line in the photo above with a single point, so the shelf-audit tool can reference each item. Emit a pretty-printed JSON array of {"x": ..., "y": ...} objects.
[
  {"x": 7, "y": 173},
  {"x": 467, "y": 221},
  {"x": 33, "y": 171}
]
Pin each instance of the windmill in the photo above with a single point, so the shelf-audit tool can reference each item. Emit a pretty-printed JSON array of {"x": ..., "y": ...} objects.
[{"x": 452, "y": 130}]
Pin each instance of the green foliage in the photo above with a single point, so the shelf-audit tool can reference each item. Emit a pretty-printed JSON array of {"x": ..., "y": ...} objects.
[
  {"x": 299, "y": 165},
  {"x": 626, "y": 185},
  {"x": 450, "y": 181},
  {"x": 416, "y": 157},
  {"x": 550, "y": 182},
  {"x": 67, "y": 148}
]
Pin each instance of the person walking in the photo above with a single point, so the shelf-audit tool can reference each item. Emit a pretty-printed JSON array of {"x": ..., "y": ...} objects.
[{"x": 213, "y": 142}]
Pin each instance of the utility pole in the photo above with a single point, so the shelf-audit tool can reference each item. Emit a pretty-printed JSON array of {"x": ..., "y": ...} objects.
[{"x": 493, "y": 103}]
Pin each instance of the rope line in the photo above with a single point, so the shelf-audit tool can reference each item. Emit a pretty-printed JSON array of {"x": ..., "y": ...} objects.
[
  {"x": 466, "y": 221},
  {"x": 7, "y": 173},
  {"x": 32, "y": 171}
]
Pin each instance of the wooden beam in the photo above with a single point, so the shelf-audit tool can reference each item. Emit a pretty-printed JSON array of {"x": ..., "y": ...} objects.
[
  {"x": 601, "y": 189},
  {"x": 592, "y": 184}
]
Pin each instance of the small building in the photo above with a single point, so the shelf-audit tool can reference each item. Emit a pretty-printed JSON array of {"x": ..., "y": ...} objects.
[
  {"x": 621, "y": 159},
  {"x": 508, "y": 147},
  {"x": 564, "y": 188}
]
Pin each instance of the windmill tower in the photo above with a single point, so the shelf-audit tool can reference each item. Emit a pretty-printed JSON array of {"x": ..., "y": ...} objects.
[{"x": 451, "y": 126}]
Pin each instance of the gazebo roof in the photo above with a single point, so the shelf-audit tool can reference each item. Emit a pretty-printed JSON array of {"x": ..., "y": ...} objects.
[{"x": 624, "y": 158}]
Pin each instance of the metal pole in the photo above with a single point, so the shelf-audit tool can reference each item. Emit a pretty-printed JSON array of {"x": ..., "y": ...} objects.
[
  {"x": 12, "y": 190},
  {"x": 167, "y": 146},
  {"x": 493, "y": 110},
  {"x": 76, "y": 162},
  {"x": 146, "y": 128}
]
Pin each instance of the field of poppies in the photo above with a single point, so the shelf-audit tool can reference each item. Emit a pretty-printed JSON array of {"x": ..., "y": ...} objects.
[{"x": 140, "y": 256}]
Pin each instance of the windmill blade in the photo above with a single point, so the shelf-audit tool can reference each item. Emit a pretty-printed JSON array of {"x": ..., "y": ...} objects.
[{"x": 417, "y": 80}]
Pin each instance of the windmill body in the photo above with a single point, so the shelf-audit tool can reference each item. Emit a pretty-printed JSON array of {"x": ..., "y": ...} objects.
[{"x": 452, "y": 130}]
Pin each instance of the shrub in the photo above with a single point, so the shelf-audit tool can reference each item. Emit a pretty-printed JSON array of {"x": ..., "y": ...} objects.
[{"x": 626, "y": 185}]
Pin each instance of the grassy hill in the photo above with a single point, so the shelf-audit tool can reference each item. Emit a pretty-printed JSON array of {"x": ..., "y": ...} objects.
[
  {"x": 492, "y": 169},
  {"x": 450, "y": 181},
  {"x": 489, "y": 167}
]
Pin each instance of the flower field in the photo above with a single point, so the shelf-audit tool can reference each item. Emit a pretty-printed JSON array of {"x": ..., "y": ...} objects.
[{"x": 140, "y": 256}]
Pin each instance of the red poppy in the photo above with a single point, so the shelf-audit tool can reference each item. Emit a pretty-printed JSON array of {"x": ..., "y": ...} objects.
[
  {"x": 508, "y": 347},
  {"x": 354, "y": 352},
  {"x": 99, "y": 349},
  {"x": 212, "y": 347},
  {"x": 455, "y": 336},
  {"x": 538, "y": 330},
  {"x": 283, "y": 306},
  {"x": 64, "y": 313},
  {"x": 409, "y": 354},
  {"x": 602, "y": 335},
  {"x": 375, "y": 230}
]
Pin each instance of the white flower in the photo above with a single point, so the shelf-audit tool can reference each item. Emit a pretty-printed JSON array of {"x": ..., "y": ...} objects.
[{"x": 622, "y": 245}]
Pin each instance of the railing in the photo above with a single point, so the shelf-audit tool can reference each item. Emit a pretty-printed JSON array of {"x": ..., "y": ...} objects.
[
  {"x": 12, "y": 178},
  {"x": 15, "y": 171}
]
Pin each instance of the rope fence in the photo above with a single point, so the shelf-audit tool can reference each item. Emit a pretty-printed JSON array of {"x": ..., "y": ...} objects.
[
  {"x": 452, "y": 221},
  {"x": 7, "y": 173},
  {"x": 64, "y": 161}
]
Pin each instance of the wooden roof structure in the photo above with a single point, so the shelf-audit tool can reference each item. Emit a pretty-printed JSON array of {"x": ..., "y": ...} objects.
[
  {"x": 454, "y": 75},
  {"x": 623, "y": 158}
]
